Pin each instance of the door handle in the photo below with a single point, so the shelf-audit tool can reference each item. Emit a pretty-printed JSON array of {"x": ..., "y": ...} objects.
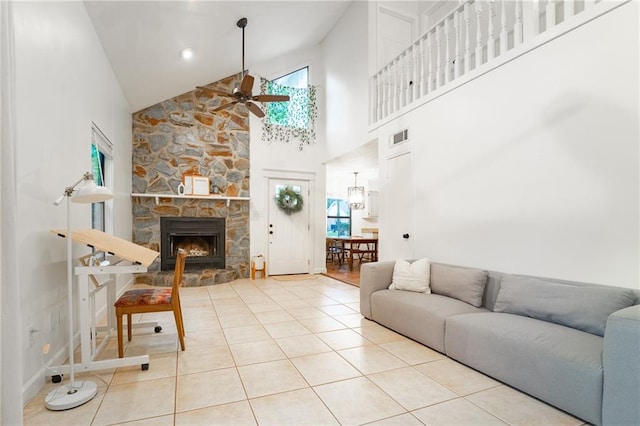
[{"x": 405, "y": 236}]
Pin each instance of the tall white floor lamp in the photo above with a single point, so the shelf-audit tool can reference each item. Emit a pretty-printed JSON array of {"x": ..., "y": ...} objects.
[{"x": 75, "y": 393}]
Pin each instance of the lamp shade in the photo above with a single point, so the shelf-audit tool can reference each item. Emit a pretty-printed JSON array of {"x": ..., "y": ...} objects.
[
  {"x": 355, "y": 194},
  {"x": 88, "y": 192}
]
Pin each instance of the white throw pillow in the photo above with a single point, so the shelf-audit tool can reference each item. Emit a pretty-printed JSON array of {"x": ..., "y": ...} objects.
[{"x": 411, "y": 276}]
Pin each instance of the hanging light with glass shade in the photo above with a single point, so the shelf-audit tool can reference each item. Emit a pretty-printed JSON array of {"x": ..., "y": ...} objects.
[{"x": 356, "y": 195}]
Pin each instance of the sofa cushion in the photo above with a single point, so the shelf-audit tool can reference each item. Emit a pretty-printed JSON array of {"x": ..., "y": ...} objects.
[
  {"x": 418, "y": 316},
  {"x": 581, "y": 307},
  {"x": 411, "y": 276},
  {"x": 559, "y": 365},
  {"x": 466, "y": 284}
]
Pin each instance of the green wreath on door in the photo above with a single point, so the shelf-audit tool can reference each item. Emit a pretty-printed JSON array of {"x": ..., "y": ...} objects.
[{"x": 289, "y": 200}]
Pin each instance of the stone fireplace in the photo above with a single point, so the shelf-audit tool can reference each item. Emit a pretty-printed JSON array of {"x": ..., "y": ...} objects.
[
  {"x": 176, "y": 138},
  {"x": 202, "y": 239}
]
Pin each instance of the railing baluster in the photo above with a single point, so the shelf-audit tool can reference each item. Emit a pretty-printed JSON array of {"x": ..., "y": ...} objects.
[
  {"x": 535, "y": 17},
  {"x": 431, "y": 62},
  {"x": 401, "y": 80},
  {"x": 517, "y": 29},
  {"x": 392, "y": 88},
  {"x": 396, "y": 82},
  {"x": 447, "y": 51},
  {"x": 404, "y": 82},
  {"x": 387, "y": 91},
  {"x": 416, "y": 70},
  {"x": 504, "y": 34},
  {"x": 409, "y": 75},
  {"x": 551, "y": 14},
  {"x": 438, "y": 57},
  {"x": 478, "y": 33},
  {"x": 491, "y": 38},
  {"x": 421, "y": 56},
  {"x": 379, "y": 100},
  {"x": 458, "y": 35},
  {"x": 467, "y": 41},
  {"x": 569, "y": 9}
]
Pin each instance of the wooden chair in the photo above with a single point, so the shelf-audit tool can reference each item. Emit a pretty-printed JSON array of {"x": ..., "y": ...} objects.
[
  {"x": 158, "y": 299},
  {"x": 335, "y": 249},
  {"x": 366, "y": 252}
]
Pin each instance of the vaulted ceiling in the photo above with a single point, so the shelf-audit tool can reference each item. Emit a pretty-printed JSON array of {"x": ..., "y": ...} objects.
[{"x": 143, "y": 39}]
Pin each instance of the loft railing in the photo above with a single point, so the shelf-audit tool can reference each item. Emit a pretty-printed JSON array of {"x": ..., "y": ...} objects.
[{"x": 471, "y": 37}]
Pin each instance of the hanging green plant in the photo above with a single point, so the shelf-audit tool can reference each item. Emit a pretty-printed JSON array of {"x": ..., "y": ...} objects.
[
  {"x": 289, "y": 200},
  {"x": 294, "y": 119}
]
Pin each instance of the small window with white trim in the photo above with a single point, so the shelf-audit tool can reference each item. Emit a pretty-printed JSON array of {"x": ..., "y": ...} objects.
[{"x": 102, "y": 170}]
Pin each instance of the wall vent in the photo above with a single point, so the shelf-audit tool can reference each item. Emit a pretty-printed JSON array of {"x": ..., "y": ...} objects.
[{"x": 400, "y": 137}]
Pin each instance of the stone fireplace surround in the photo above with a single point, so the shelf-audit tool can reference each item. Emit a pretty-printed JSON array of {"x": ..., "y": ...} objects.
[{"x": 172, "y": 139}]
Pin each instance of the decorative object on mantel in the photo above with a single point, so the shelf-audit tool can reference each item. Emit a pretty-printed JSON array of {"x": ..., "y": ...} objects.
[
  {"x": 200, "y": 185},
  {"x": 302, "y": 112},
  {"x": 356, "y": 195},
  {"x": 194, "y": 185},
  {"x": 289, "y": 200}
]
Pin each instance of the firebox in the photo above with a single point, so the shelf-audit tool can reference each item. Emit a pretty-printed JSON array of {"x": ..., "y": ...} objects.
[{"x": 202, "y": 238}]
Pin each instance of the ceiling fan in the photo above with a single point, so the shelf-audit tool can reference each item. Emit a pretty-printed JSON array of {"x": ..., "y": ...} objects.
[{"x": 243, "y": 93}]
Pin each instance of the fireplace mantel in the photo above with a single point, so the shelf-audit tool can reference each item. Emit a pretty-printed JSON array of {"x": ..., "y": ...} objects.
[{"x": 157, "y": 196}]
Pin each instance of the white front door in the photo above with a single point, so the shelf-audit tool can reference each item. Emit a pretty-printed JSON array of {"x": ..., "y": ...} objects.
[
  {"x": 398, "y": 208},
  {"x": 288, "y": 233}
]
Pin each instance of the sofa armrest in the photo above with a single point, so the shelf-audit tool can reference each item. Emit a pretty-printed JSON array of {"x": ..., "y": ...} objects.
[
  {"x": 621, "y": 362},
  {"x": 374, "y": 276}
]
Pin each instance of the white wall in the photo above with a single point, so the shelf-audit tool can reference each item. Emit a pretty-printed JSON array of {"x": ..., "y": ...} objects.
[
  {"x": 287, "y": 157},
  {"x": 63, "y": 83},
  {"x": 339, "y": 70},
  {"x": 534, "y": 167},
  {"x": 346, "y": 84}
]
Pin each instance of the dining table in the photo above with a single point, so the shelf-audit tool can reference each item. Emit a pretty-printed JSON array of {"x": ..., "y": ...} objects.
[{"x": 353, "y": 244}]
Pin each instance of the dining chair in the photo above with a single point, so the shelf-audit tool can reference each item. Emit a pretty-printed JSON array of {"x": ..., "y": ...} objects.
[
  {"x": 366, "y": 252},
  {"x": 335, "y": 249},
  {"x": 157, "y": 299}
]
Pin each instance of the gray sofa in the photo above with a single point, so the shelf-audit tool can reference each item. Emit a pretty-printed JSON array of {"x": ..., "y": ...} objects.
[{"x": 573, "y": 345}]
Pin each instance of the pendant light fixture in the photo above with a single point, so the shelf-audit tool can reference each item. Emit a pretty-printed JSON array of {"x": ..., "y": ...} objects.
[{"x": 356, "y": 195}]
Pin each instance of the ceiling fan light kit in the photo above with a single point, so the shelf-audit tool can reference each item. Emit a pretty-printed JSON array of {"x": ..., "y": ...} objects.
[{"x": 243, "y": 94}]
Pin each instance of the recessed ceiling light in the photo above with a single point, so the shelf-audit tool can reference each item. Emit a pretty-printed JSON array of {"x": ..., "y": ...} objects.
[{"x": 186, "y": 53}]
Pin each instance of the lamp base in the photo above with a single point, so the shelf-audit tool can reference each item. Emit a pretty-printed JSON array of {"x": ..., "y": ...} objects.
[{"x": 67, "y": 396}]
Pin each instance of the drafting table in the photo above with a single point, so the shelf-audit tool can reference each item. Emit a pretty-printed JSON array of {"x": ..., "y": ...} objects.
[{"x": 126, "y": 258}]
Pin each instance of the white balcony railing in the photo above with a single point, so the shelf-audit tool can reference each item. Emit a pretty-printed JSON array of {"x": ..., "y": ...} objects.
[{"x": 473, "y": 36}]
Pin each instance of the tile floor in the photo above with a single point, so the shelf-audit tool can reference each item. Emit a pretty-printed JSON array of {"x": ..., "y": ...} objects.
[{"x": 289, "y": 352}]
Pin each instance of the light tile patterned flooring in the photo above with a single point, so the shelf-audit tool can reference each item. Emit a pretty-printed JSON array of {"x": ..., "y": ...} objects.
[{"x": 289, "y": 352}]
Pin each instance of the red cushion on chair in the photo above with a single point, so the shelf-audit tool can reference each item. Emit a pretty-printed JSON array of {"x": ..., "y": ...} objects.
[{"x": 145, "y": 296}]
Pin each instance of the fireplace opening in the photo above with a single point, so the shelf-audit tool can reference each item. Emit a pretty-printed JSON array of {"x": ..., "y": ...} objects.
[{"x": 202, "y": 238}]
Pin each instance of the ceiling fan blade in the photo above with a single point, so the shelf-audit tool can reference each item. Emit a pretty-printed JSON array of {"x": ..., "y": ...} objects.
[
  {"x": 247, "y": 84},
  {"x": 271, "y": 98},
  {"x": 254, "y": 109},
  {"x": 213, "y": 92},
  {"x": 225, "y": 106}
]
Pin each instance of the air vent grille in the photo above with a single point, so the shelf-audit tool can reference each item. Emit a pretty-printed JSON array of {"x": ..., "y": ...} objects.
[{"x": 400, "y": 137}]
